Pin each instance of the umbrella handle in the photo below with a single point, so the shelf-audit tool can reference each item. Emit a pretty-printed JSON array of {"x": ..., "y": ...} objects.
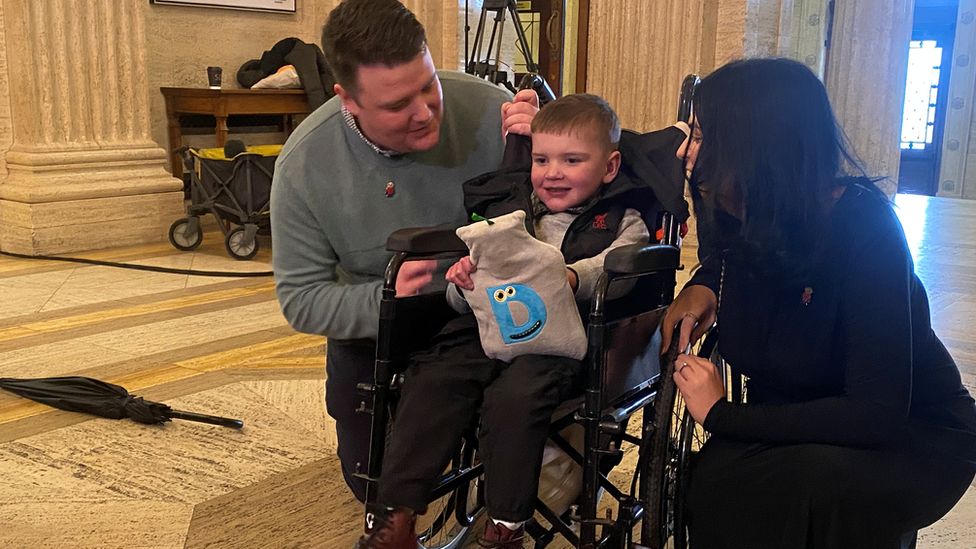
[{"x": 203, "y": 418}]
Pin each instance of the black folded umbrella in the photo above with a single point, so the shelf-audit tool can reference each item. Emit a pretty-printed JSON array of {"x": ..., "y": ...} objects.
[{"x": 93, "y": 396}]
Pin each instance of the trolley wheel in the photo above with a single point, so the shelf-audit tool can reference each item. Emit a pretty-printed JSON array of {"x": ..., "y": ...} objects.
[
  {"x": 182, "y": 237},
  {"x": 239, "y": 247}
]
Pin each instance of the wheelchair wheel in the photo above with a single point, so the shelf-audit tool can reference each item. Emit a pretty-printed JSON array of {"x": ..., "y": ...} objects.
[
  {"x": 440, "y": 527},
  {"x": 673, "y": 443}
]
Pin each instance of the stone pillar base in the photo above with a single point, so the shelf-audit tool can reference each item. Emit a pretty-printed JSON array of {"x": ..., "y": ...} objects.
[
  {"x": 56, "y": 202},
  {"x": 78, "y": 225}
]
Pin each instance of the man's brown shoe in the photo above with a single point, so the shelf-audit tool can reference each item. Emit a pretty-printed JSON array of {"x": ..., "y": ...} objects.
[{"x": 388, "y": 528}]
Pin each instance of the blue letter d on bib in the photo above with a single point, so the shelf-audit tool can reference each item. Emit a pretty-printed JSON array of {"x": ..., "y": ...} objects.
[{"x": 501, "y": 299}]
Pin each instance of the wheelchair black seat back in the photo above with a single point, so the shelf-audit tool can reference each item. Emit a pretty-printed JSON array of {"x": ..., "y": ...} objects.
[{"x": 624, "y": 376}]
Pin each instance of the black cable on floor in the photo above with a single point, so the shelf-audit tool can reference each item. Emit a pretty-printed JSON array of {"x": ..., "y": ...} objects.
[{"x": 240, "y": 274}]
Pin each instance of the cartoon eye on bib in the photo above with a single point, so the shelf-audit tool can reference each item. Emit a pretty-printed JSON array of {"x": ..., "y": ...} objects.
[
  {"x": 503, "y": 298},
  {"x": 502, "y": 294}
]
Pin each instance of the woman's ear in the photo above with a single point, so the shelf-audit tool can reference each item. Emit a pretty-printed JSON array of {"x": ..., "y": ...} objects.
[{"x": 613, "y": 166}]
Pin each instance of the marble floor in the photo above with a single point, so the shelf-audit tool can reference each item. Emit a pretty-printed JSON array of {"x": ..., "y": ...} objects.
[{"x": 219, "y": 345}]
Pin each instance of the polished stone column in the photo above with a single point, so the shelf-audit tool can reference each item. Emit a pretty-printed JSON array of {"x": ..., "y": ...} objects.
[
  {"x": 638, "y": 52},
  {"x": 82, "y": 169},
  {"x": 804, "y": 29},
  {"x": 866, "y": 68},
  {"x": 957, "y": 173}
]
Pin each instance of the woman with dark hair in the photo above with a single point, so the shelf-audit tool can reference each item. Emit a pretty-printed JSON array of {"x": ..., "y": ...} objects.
[{"x": 857, "y": 430}]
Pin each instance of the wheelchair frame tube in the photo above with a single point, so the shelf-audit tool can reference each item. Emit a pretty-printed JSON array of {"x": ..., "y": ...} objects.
[
  {"x": 383, "y": 376},
  {"x": 590, "y": 418}
]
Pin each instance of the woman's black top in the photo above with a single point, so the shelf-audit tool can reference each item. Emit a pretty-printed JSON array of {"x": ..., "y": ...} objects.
[{"x": 846, "y": 357}]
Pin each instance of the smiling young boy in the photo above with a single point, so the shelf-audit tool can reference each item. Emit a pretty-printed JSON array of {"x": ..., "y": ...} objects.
[{"x": 575, "y": 201}]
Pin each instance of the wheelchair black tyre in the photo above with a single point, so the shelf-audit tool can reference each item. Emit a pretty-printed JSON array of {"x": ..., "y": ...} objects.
[
  {"x": 182, "y": 238},
  {"x": 675, "y": 441},
  {"x": 662, "y": 468}
]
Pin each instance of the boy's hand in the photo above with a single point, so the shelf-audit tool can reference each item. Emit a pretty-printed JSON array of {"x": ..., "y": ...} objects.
[
  {"x": 460, "y": 273},
  {"x": 518, "y": 113},
  {"x": 573, "y": 279}
]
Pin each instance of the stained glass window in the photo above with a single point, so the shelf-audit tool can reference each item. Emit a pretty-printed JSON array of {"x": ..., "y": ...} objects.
[{"x": 921, "y": 93}]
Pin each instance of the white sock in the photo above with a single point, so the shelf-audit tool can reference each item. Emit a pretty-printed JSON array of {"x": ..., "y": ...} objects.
[{"x": 509, "y": 525}]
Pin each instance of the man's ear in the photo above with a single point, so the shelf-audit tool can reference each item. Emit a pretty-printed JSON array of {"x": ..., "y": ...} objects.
[
  {"x": 613, "y": 166},
  {"x": 347, "y": 98}
]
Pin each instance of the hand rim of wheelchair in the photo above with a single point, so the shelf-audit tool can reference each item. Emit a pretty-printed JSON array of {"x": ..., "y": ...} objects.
[
  {"x": 672, "y": 446},
  {"x": 447, "y": 513}
]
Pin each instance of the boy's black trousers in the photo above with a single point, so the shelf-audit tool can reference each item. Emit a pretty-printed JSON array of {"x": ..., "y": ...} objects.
[{"x": 446, "y": 386}]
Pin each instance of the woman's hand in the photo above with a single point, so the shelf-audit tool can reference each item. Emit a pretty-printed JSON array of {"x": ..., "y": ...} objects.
[
  {"x": 460, "y": 273},
  {"x": 693, "y": 311},
  {"x": 700, "y": 383},
  {"x": 518, "y": 113}
]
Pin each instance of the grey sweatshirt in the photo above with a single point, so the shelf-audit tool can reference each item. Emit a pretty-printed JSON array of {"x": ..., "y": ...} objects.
[{"x": 330, "y": 213}]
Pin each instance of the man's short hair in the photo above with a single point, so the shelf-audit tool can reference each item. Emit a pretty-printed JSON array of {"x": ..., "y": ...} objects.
[
  {"x": 584, "y": 114},
  {"x": 370, "y": 32}
]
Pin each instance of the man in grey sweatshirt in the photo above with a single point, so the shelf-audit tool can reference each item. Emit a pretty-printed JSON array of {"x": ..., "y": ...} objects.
[{"x": 389, "y": 151}]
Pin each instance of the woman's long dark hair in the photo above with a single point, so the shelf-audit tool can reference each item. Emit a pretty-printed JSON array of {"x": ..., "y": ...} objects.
[{"x": 771, "y": 155}]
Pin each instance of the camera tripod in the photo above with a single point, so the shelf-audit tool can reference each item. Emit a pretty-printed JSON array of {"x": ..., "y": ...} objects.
[{"x": 487, "y": 67}]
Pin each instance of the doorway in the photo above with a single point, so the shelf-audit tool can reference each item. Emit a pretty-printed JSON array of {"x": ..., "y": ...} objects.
[{"x": 926, "y": 95}]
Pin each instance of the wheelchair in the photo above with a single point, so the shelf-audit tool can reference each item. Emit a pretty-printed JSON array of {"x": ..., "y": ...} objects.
[{"x": 624, "y": 375}]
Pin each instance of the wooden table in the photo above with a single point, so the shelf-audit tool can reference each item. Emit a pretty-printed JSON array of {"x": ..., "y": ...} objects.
[{"x": 221, "y": 104}]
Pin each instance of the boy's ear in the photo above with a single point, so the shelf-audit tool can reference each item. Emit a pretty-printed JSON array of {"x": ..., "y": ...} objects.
[{"x": 613, "y": 166}]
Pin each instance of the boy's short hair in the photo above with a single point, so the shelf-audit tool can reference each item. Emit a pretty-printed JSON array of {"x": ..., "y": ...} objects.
[
  {"x": 370, "y": 32},
  {"x": 578, "y": 113}
]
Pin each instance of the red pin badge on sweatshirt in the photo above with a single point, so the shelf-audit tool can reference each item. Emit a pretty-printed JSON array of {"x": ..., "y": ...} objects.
[
  {"x": 807, "y": 296},
  {"x": 390, "y": 189}
]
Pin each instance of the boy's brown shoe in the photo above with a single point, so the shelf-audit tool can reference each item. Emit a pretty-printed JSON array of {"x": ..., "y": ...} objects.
[
  {"x": 498, "y": 536},
  {"x": 388, "y": 528}
]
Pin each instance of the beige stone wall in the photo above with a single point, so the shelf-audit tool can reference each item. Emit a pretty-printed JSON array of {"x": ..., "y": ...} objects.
[{"x": 182, "y": 41}]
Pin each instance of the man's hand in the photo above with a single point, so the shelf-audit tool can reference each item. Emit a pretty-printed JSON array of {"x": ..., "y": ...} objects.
[
  {"x": 413, "y": 276},
  {"x": 694, "y": 309},
  {"x": 518, "y": 113},
  {"x": 460, "y": 273},
  {"x": 700, "y": 384}
]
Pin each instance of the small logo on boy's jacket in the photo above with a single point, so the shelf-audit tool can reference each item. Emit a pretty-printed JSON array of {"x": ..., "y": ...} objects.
[{"x": 600, "y": 221}]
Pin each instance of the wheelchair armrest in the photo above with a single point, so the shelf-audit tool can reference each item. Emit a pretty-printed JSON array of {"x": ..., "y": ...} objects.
[
  {"x": 635, "y": 259},
  {"x": 425, "y": 240}
]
